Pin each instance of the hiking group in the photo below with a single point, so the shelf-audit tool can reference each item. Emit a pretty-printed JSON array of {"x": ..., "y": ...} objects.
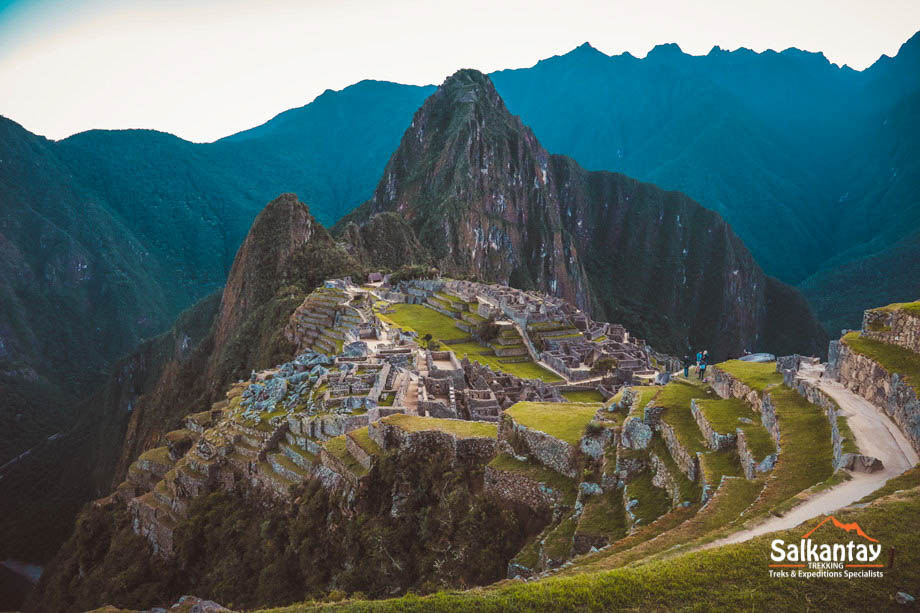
[{"x": 702, "y": 360}]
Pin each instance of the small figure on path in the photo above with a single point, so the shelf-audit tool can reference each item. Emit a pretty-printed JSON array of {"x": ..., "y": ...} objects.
[{"x": 704, "y": 359}]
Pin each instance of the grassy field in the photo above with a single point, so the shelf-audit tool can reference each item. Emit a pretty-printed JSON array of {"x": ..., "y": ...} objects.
[
  {"x": 460, "y": 427},
  {"x": 893, "y": 358},
  {"x": 537, "y": 472},
  {"x": 422, "y": 320},
  {"x": 758, "y": 375},
  {"x": 731, "y": 578},
  {"x": 562, "y": 420}
]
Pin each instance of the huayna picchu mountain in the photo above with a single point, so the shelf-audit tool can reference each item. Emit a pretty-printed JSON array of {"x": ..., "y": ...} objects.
[{"x": 488, "y": 201}]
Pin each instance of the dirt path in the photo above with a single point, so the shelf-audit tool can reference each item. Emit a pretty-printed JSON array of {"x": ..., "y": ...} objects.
[{"x": 876, "y": 435}]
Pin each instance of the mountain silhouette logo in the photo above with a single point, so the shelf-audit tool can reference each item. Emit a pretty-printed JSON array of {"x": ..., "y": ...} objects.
[{"x": 850, "y": 527}]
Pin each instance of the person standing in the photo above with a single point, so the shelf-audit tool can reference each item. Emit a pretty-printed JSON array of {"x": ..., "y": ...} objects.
[{"x": 704, "y": 359}]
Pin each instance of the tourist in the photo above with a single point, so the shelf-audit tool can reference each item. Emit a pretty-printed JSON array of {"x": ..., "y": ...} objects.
[
  {"x": 686, "y": 367},
  {"x": 704, "y": 358}
]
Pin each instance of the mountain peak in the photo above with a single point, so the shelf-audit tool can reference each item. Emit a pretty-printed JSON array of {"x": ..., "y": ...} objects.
[{"x": 665, "y": 51}]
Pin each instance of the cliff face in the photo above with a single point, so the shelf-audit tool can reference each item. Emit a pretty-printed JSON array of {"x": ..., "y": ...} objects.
[{"x": 487, "y": 200}]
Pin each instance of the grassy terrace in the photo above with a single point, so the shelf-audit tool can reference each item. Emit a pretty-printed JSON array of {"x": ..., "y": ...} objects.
[
  {"x": 459, "y": 427},
  {"x": 422, "y": 321},
  {"x": 563, "y": 420},
  {"x": 717, "y": 464},
  {"x": 364, "y": 441},
  {"x": 336, "y": 446},
  {"x": 725, "y": 416},
  {"x": 893, "y": 358},
  {"x": 604, "y": 514},
  {"x": 646, "y": 394},
  {"x": 911, "y": 308},
  {"x": 588, "y": 396},
  {"x": 558, "y": 543},
  {"x": 653, "y": 501},
  {"x": 805, "y": 438},
  {"x": 689, "y": 490},
  {"x": 758, "y": 375},
  {"x": 675, "y": 398},
  {"x": 537, "y": 472},
  {"x": 159, "y": 455}
]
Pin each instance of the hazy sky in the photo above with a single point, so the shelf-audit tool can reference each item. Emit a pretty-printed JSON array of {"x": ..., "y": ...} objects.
[{"x": 203, "y": 69}]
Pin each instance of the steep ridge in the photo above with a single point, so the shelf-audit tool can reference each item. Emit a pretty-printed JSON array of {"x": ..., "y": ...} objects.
[{"x": 487, "y": 200}]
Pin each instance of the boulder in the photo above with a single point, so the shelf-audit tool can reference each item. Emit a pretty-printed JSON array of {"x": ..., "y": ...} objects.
[{"x": 636, "y": 434}]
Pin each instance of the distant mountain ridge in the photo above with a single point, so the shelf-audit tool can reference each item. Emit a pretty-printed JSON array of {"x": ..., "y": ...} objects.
[{"x": 486, "y": 200}]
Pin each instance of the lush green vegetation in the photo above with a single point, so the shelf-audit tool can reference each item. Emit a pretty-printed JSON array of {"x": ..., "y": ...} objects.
[
  {"x": 558, "y": 543},
  {"x": 241, "y": 554},
  {"x": 653, "y": 501},
  {"x": 911, "y": 308},
  {"x": 716, "y": 464},
  {"x": 604, "y": 514},
  {"x": 905, "y": 481},
  {"x": 733, "y": 577},
  {"x": 460, "y": 427},
  {"x": 758, "y": 375},
  {"x": 725, "y": 417},
  {"x": 563, "y": 420},
  {"x": 337, "y": 447},
  {"x": 893, "y": 358}
]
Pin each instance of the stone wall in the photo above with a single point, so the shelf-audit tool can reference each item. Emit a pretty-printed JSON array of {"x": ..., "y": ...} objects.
[
  {"x": 364, "y": 458},
  {"x": 548, "y": 450},
  {"x": 478, "y": 450},
  {"x": 889, "y": 391},
  {"x": 714, "y": 440},
  {"x": 688, "y": 464},
  {"x": 516, "y": 488},
  {"x": 663, "y": 478},
  {"x": 749, "y": 464},
  {"x": 727, "y": 386},
  {"x": 895, "y": 327}
]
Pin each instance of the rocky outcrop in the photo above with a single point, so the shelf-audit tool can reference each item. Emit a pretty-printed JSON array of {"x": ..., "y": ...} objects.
[
  {"x": 688, "y": 463},
  {"x": 749, "y": 464},
  {"x": 467, "y": 449}
]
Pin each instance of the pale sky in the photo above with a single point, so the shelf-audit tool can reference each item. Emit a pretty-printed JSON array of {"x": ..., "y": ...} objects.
[{"x": 203, "y": 69}]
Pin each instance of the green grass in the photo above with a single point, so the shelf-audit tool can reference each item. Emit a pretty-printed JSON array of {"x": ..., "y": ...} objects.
[
  {"x": 653, "y": 501},
  {"x": 523, "y": 370},
  {"x": 849, "y": 441},
  {"x": 911, "y": 308},
  {"x": 675, "y": 398},
  {"x": 807, "y": 454},
  {"x": 529, "y": 555},
  {"x": 905, "y": 481},
  {"x": 562, "y": 420},
  {"x": 584, "y": 396},
  {"x": 537, "y": 472},
  {"x": 558, "y": 543},
  {"x": 757, "y": 375},
  {"x": 716, "y": 464},
  {"x": 364, "y": 441},
  {"x": 893, "y": 358},
  {"x": 604, "y": 515},
  {"x": 460, "y": 427},
  {"x": 336, "y": 446},
  {"x": 422, "y": 320},
  {"x": 724, "y": 416},
  {"x": 159, "y": 455},
  {"x": 730, "y": 578}
]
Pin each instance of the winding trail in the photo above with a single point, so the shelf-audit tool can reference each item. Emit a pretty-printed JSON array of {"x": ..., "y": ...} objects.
[{"x": 876, "y": 435}]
